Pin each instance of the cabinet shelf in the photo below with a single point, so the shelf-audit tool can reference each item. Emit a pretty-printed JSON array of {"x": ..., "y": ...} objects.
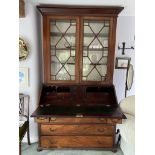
[
  {"x": 62, "y": 63},
  {"x": 94, "y": 49},
  {"x": 84, "y": 48},
  {"x": 94, "y": 64},
  {"x": 55, "y": 48},
  {"x": 58, "y": 34}
]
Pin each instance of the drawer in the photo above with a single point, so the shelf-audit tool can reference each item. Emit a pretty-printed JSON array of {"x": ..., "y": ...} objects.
[
  {"x": 114, "y": 121},
  {"x": 78, "y": 120},
  {"x": 77, "y": 129},
  {"x": 76, "y": 141},
  {"x": 42, "y": 119},
  {"x": 54, "y": 120}
]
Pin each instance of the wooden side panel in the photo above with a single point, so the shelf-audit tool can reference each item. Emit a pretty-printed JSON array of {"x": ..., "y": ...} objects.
[
  {"x": 76, "y": 141},
  {"x": 77, "y": 130},
  {"x": 112, "y": 48},
  {"x": 21, "y": 9}
]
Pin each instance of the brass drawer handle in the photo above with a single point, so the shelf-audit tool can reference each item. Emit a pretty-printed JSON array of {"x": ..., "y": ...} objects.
[
  {"x": 79, "y": 115},
  {"x": 51, "y": 142},
  {"x": 52, "y": 119},
  {"x": 99, "y": 142},
  {"x": 41, "y": 118},
  {"x": 52, "y": 130},
  {"x": 101, "y": 130},
  {"x": 102, "y": 119}
]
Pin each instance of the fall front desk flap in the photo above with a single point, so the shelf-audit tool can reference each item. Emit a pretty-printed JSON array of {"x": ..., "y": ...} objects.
[{"x": 85, "y": 111}]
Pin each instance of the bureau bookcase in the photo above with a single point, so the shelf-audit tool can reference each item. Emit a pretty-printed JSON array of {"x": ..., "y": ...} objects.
[{"x": 78, "y": 106}]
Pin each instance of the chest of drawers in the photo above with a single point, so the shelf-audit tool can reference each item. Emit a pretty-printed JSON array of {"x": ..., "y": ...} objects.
[{"x": 77, "y": 133}]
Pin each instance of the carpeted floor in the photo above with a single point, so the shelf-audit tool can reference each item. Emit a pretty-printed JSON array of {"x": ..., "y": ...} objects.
[{"x": 32, "y": 150}]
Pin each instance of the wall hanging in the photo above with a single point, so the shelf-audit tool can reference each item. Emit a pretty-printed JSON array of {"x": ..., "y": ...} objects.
[
  {"x": 123, "y": 48},
  {"x": 23, "y": 77},
  {"x": 129, "y": 78},
  {"x": 125, "y": 63},
  {"x": 23, "y": 49},
  {"x": 122, "y": 62}
]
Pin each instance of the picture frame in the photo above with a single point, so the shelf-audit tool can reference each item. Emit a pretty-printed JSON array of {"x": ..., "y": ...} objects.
[
  {"x": 23, "y": 77},
  {"x": 122, "y": 62}
]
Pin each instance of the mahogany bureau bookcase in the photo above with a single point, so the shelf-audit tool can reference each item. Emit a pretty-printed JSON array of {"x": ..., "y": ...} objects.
[{"x": 78, "y": 107}]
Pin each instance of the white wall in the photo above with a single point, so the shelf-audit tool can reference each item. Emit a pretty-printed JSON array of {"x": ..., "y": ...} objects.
[
  {"x": 125, "y": 33},
  {"x": 30, "y": 30}
]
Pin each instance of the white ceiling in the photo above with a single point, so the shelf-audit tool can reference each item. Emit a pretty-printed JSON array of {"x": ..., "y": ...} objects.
[{"x": 129, "y": 5}]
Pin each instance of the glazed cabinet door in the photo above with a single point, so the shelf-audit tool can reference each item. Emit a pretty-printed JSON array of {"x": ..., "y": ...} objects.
[
  {"x": 60, "y": 49},
  {"x": 96, "y": 52}
]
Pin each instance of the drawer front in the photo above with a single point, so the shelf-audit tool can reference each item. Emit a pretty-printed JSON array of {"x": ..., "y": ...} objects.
[
  {"x": 54, "y": 120},
  {"x": 114, "y": 121},
  {"x": 77, "y": 129},
  {"x": 42, "y": 120},
  {"x": 76, "y": 141},
  {"x": 78, "y": 120}
]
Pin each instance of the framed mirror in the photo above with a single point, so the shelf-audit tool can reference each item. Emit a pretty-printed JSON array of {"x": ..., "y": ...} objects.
[{"x": 130, "y": 76}]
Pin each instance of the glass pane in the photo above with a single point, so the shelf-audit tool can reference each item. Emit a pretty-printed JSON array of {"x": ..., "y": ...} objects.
[
  {"x": 62, "y": 55},
  {"x": 103, "y": 61},
  {"x": 70, "y": 69},
  {"x": 63, "y": 75},
  {"x": 95, "y": 57},
  {"x": 94, "y": 76},
  {"x": 62, "y": 41},
  {"x": 102, "y": 69},
  {"x": 55, "y": 65},
  {"x": 95, "y": 50}
]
